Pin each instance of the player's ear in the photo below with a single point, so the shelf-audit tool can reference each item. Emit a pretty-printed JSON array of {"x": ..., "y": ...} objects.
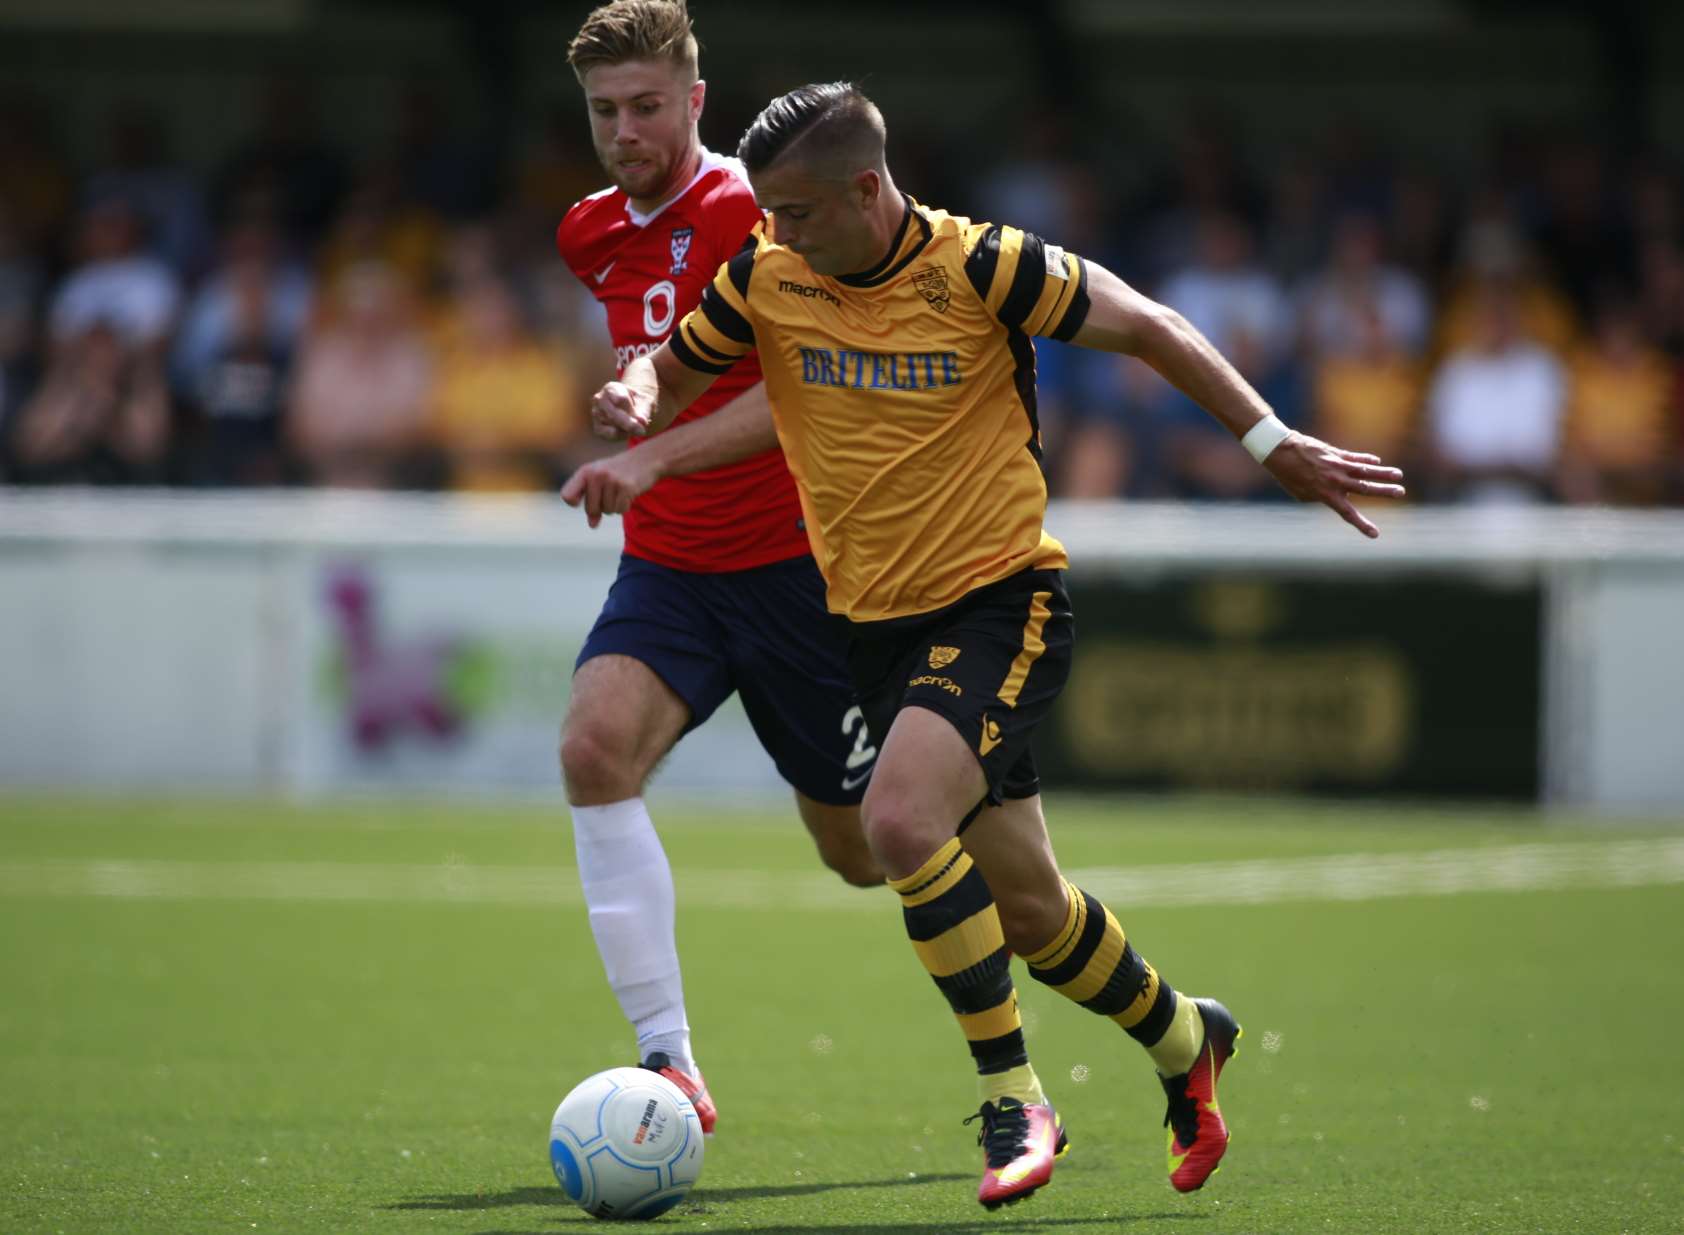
[
  {"x": 698, "y": 96},
  {"x": 867, "y": 186}
]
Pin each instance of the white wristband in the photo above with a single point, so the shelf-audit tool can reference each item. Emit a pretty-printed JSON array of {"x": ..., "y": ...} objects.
[{"x": 1264, "y": 436}]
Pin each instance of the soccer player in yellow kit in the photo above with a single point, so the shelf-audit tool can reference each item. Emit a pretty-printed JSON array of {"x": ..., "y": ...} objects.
[{"x": 895, "y": 342}]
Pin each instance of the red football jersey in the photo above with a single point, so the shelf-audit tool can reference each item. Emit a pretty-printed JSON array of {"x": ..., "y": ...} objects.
[{"x": 649, "y": 271}]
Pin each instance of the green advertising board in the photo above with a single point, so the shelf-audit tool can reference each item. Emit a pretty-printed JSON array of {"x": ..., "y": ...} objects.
[{"x": 1410, "y": 684}]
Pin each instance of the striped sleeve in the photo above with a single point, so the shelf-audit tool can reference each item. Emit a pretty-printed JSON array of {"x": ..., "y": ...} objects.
[
  {"x": 1027, "y": 284},
  {"x": 716, "y": 333}
]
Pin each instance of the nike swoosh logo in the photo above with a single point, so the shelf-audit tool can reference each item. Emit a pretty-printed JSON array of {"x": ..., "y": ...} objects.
[
  {"x": 1019, "y": 1170},
  {"x": 854, "y": 782},
  {"x": 1014, "y": 1173},
  {"x": 603, "y": 273}
]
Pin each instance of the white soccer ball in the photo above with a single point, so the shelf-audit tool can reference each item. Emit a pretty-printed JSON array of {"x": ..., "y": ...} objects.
[{"x": 626, "y": 1143}]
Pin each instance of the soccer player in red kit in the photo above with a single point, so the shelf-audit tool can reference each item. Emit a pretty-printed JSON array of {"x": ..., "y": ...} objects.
[{"x": 717, "y": 589}]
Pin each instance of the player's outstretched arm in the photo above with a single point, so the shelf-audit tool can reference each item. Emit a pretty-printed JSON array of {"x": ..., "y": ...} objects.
[
  {"x": 1120, "y": 319},
  {"x": 652, "y": 390},
  {"x": 741, "y": 428}
]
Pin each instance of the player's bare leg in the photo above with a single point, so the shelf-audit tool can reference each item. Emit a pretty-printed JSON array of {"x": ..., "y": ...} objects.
[
  {"x": 1074, "y": 944},
  {"x": 925, "y": 782},
  {"x": 840, "y": 838},
  {"x": 621, "y": 720},
  {"x": 1011, "y": 846}
]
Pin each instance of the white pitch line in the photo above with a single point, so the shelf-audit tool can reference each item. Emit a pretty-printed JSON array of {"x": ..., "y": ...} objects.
[{"x": 1342, "y": 877}]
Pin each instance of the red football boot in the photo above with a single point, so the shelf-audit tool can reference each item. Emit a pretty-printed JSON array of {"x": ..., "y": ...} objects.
[
  {"x": 692, "y": 1087},
  {"x": 1020, "y": 1144},
  {"x": 1197, "y": 1135}
]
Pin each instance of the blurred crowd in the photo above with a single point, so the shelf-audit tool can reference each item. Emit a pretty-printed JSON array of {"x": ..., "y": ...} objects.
[
  {"x": 1515, "y": 335},
  {"x": 291, "y": 317}
]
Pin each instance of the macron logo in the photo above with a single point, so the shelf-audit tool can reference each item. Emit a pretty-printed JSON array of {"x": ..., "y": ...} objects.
[{"x": 807, "y": 290}]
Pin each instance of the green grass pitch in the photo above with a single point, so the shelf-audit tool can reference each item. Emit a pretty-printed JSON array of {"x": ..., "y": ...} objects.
[{"x": 238, "y": 1017}]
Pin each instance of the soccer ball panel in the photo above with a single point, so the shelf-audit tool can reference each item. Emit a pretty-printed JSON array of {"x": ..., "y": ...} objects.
[
  {"x": 567, "y": 1169},
  {"x": 626, "y": 1143}
]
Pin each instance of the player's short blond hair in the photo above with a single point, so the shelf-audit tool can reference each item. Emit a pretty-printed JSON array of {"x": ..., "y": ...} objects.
[{"x": 636, "y": 30}]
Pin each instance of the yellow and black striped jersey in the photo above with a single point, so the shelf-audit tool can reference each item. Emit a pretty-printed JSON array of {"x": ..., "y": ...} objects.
[{"x": 904, "y": 398}]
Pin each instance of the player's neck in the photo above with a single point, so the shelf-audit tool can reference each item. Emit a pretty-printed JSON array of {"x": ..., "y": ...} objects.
[
  {"x": 885, "y": 220},
  {"x": 685, "y": 171}
]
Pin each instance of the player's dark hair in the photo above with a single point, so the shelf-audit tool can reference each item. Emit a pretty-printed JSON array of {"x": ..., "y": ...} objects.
[
  {"x": 830, "y": 125},
  {"x": 635, "y": 30}
]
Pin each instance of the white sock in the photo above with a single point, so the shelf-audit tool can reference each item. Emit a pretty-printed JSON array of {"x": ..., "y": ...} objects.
[
  {"x": 668, "y": 1033},
  {"x": 628, "y": 889}
]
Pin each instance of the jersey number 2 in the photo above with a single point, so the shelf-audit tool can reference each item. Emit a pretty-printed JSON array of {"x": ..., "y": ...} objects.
[{"x": 863, "y": 752}]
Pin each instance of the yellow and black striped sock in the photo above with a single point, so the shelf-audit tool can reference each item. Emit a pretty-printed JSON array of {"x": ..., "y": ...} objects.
[
  {"x": 1091, "y": 962},
  {"x": 955, "y": 929}
]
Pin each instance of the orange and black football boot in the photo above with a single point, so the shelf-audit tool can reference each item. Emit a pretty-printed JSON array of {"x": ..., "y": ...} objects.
[{"x": 1198, "y": 1137}]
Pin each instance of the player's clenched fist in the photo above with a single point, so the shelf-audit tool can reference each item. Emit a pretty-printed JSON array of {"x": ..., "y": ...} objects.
[{"x": 619, "y": 412}]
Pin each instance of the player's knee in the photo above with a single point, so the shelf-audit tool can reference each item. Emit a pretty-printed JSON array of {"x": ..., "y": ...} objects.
[
  {"x": 839, "y": 836},
  {"x": 860, "y": 872},
  {"x": 593, "y": 767},
  {"x": 853, "y": 861},
  {"x": 901, "y": 840}
]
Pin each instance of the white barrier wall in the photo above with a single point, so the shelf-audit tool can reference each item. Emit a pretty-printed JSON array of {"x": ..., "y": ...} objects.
[
  {"x": 1630, "y": 708},
  {"x": 415, "y": 668},
  {"x": 136, "y": 665},
  {"x": 316, "y": 643},
  {"x": 307, "y": 643}
]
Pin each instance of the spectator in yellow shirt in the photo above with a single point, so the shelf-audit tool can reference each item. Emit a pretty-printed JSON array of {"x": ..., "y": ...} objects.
[
  {"x": 1370, "y": 394},
  {"x": 505, "y": 410},
  {"x": 1619, "y": 412}
]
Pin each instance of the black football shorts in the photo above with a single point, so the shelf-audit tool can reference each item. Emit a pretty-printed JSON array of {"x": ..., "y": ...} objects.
[{"x": 991, "y": 663}]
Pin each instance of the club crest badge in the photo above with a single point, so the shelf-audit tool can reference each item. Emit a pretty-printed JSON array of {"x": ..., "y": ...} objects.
[
  {"x": 940, "y": 658},
  {"x": 931, "y": 283},
  {"x": 681, "y": 237}
]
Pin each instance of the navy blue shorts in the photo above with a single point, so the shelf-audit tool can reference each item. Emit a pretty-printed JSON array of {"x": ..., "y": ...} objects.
[{"x": 764, "y": 633}]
